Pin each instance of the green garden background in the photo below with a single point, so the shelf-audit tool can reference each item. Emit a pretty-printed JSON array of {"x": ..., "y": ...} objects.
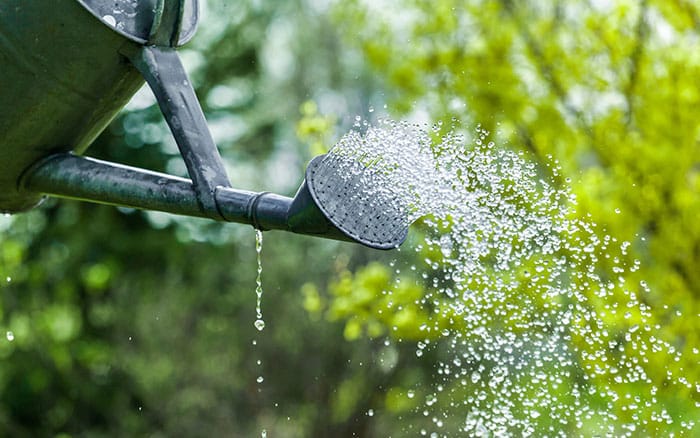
[{"x": 131, "y": 323}]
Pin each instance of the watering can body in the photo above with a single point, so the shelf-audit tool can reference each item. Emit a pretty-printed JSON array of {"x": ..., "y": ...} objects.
[{"x": 62, "y": 81}]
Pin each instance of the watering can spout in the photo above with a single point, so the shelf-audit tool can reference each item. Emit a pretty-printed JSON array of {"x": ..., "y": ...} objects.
[
  {"x": 88, "y": 179},
  {"x": 304, "y": 216},
  {"x": 344, "y": 200}
]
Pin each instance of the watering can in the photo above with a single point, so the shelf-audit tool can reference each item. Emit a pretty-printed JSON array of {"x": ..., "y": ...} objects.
[{"x": 67, "y": 67}]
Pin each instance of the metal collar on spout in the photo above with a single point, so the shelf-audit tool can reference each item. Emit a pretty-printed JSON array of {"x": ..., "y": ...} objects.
[{"x": 252, "y": 210}]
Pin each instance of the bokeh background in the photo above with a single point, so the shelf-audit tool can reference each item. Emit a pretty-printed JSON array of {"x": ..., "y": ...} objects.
[{"x": 130, "y": 323}]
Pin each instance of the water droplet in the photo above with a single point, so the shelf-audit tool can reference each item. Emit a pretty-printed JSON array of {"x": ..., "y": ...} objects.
[
  {"x": 370, "y": 412},
  {"x": 259, "y": 324},
  {"x": 260, "y": 379},
  {"x": 110, "y": 20},
  {"x": 411, "y": 394}
]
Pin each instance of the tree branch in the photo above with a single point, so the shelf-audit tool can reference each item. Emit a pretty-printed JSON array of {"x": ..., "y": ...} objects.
[{"x": 641, "y": 32}]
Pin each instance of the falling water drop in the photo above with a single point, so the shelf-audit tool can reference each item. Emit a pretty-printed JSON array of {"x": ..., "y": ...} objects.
[{"x": 10, "y": 336}]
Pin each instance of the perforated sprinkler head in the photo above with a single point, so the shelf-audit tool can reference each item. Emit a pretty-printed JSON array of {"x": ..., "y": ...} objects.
[{"x": 356, "y": 202}]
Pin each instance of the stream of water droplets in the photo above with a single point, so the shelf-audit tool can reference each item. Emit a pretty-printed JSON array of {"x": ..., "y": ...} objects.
[
  {"x": 259, "y": 322},
  {"x": 538, "y": 319}
]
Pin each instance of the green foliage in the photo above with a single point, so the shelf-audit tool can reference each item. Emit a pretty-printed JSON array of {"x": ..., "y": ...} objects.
[
  {"x": 315, "y": 129},
  {"x": 366, "y": 301}
]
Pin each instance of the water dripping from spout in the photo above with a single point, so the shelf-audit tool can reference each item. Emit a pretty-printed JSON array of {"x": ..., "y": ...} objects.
[{"x": 259, "y": 322}]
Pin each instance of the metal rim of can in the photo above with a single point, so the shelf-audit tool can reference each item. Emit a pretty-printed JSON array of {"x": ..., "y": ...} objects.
[{"x": 188, "y": 29}]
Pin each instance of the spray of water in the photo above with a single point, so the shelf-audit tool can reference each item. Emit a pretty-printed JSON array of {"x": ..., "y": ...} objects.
[{"x": 534, "y": 324}]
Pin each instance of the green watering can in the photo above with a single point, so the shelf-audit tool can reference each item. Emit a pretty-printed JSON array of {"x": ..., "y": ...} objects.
[{"x": 67, "y": 67}]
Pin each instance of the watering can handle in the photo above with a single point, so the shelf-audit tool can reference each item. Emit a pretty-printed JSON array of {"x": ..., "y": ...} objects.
[
  {"x": 167, "y": 23},
  {"x": 164, "y": 73}
]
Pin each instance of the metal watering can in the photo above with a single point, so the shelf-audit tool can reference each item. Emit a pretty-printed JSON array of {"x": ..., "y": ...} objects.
[{"x": 67, "y": 67}]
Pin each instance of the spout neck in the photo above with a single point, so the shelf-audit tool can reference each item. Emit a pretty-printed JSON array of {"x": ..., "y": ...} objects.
[{"x": 87, "y": 179}]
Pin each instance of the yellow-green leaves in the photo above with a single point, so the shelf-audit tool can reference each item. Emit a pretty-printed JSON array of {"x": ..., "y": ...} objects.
[
  {"x": 373, "y": 303},
  {"x": 315, "y": 129}
]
